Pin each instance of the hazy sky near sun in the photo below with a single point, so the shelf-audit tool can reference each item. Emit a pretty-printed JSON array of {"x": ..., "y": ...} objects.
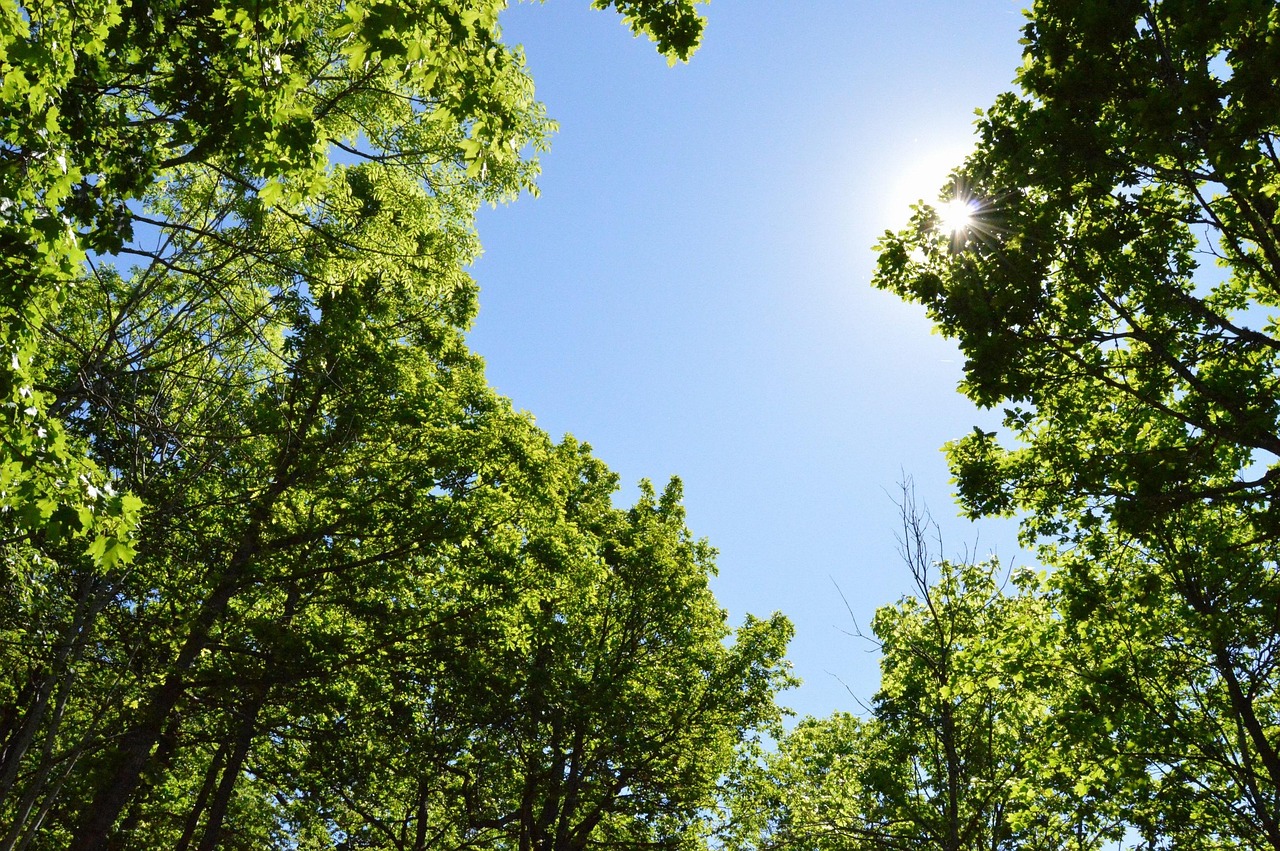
[{"x": 691, "y": 292}]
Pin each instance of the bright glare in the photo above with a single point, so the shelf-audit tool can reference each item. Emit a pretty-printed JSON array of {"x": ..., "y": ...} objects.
[
  {"x": 922, "y": 172},
  {"x": 956, "y": 215}
]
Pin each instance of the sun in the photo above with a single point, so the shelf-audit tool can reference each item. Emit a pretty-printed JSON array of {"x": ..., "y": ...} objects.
[
  {"x": 956, "y": 216},
  {"x": 921, "y": 170}
]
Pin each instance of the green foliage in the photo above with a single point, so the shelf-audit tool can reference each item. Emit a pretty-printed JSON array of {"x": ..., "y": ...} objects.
[
  {"x": 1115, "y": 296},
  {"x": 102, "y": 103},
  {"x": 598, "y": 714},
  {"x": 962, "y": 747},
  {"x": 674, "y": 25},
  {"x": 280, "y": 568}
]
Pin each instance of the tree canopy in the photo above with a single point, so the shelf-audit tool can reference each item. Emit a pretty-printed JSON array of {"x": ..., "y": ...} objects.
[
  {"x": 105, "y": 105},
  {"x": 280, "y": 568},
  {"x": 1113, "y": 294},
  {"x": 961, "y": 748}
]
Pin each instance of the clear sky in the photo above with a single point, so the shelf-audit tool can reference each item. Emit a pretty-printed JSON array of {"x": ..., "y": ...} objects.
[{"x": 691, "y": 292}]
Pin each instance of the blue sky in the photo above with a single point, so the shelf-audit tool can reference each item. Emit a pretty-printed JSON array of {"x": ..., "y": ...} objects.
[{"x": 691, "y": 295}]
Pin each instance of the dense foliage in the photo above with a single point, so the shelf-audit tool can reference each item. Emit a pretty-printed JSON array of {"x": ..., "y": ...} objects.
[
  {"x": 1114, "y": 294},
  {"x": 108, "y": 108},
  {"x": 279, "y": 568},
  {"x": 961, "y": 748}
]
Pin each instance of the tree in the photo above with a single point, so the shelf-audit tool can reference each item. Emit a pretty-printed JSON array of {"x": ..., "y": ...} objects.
[
  {"x": 960, "y": 749},
  {"x": 600, "y": 716},
  {"x": 630, "y": 705},
  {"x": 372, "y": 606},
  {"x": 807, "y": 793},
  {"x": 104, "y": 102},
  {"x": 1139, "y": 383},
  {"x": 306, "y": 435},
  {"x": 268, "y": 431}
]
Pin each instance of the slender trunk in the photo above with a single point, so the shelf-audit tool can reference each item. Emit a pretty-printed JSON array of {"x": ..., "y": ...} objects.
[
  {"x": 231, "y": 774},
  {"x": 564, "y": 826},
  {"x": 39, "y": 778},
  {"x": 953, "y": 776},
  {"x": 19, "y": 839},
  {"x": 50, "y": 799},
  {"x": 17, "y": 745},
  {"x": 38, "y": 781},
  {"x": 420, "y": 834},
  {"x": 135, "y": 748},
  {"x": 202, "y": 799},
  {"x": 553, "y": 778},
  {"x": 1253, "y": 737},
  {"x": 1242, "y": 705},
  {"x": 533, "y": 827},
  {"x": 244, "y": 737},
  {"x": 59, "y": 673}
]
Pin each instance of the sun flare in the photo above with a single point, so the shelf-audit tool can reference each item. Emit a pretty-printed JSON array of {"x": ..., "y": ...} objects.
[
  {"x": 956, "y": 216},
  {"x": 920, "y": 172}
]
